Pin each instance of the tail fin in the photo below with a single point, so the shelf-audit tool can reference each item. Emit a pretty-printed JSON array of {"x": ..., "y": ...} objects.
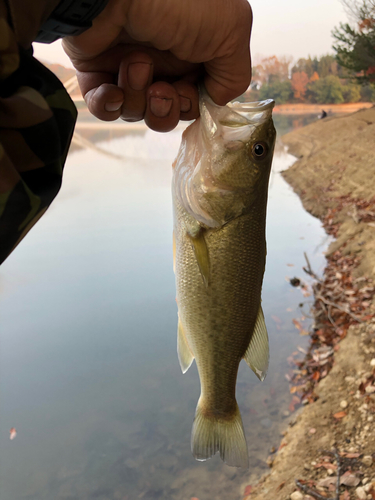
[{"x": 210, "y": 435}]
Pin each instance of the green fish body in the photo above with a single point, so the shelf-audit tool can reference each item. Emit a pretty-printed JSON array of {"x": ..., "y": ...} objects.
[{"x": 220, "y": 187}]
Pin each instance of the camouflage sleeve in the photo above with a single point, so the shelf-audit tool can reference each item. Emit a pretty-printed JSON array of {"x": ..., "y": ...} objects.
[{"x": 37, "y": 119}]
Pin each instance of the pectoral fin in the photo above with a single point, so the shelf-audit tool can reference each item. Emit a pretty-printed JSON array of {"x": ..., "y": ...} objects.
[
  {"x": 185, "y": 355},
  {"x": 257, "y": 353},
  {"x": 201, "y": 254}
]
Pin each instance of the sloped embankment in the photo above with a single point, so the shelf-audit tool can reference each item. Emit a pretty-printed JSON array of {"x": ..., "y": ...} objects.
[{"x": 334, "y": 435}]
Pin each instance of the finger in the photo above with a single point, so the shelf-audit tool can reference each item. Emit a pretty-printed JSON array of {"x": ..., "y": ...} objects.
[
  {"x": 189, "y": 100},
  {"x": 229, "y": 75},
  {"x": 163, "y": 107},
  {"x": 103, "y": 98},
  {"x": 135, "y": 76}
]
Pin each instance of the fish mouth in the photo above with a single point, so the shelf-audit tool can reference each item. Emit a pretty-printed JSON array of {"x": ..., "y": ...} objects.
[
  {"x": 234, "y": 115},
  {"x": 254, "y": 112}
]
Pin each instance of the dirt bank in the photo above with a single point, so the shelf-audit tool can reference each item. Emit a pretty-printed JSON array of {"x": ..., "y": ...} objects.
[{"x": 333, "y": 434}]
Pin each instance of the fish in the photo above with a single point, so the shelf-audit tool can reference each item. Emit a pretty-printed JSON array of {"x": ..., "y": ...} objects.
[{"x": 219, "y": 192}]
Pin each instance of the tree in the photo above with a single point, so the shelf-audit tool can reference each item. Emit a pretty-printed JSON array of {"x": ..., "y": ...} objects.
[
  {"x": 299, "y": 84},
  {"x": 271, "y": 69},
  {"x": 351, "y": 92},
  {"x": 281, "y": 92},
  {"x": 308, "y": 66},
  {"x": 355, "y": 47},
  {"x": 326, "y": 90},
  {"x": 327, "y": 65}
]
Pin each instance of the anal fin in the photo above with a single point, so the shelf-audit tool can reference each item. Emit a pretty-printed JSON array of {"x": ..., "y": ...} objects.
[
  {"x": 257, "y": 353},
  {"x": 185, "y": 356}
]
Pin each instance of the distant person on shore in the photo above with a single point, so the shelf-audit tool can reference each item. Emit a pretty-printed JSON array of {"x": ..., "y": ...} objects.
[
  {"x": 140, "y": 59},
  {"x": 323, "y": 115}
]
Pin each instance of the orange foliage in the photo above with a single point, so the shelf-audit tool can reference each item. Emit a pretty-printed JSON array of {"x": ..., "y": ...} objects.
[
  {"x": 299, "y": 84},
  {"x": 271, "y": 67},
  {"x": 314, "y": 77},
  {"x": 366, "y": 24}
]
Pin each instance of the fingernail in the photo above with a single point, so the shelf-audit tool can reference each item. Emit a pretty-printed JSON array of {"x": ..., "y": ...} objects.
[
  {"x": 185, "y": 104},
  {"x": 160, "y": 107},
  {"x": 138, "y": 75},
  {"x": 113, "y": 106}
]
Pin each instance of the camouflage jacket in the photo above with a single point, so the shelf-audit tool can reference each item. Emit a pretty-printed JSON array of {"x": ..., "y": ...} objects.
[{"x": 37, "y": 119}]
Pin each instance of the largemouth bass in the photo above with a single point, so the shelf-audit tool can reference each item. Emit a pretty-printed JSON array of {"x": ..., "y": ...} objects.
[{"x": 219, "y": 187}]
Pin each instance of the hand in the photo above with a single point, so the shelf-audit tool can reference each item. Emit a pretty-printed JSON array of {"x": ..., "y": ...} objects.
[{"x": 143, "y": 58}]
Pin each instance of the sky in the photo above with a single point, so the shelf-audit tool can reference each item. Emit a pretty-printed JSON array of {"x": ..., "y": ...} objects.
[{"x": 296, "y": 28}]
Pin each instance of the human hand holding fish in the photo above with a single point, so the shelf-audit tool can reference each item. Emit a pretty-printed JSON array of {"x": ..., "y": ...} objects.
[{"x": 142, "y": 59}]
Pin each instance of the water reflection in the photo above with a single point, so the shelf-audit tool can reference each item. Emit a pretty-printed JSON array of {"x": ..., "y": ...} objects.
[{"x": 89, "y": 369}]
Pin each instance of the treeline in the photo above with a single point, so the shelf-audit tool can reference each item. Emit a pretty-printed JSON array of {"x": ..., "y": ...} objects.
[{"x": 312, "y": 80}]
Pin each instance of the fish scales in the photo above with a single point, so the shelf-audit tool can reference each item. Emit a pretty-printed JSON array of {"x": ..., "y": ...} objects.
[
  {"x": 221, "y": 337},
  {"x": 219, "y": 240}
]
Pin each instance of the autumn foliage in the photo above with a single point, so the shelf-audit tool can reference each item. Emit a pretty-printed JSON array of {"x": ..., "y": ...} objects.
[{"x": 309, "y": 80}]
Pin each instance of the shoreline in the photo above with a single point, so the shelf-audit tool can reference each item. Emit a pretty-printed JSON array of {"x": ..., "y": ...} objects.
[
  {"x": 300, "y": 108},
  {"x": 333, "y": 433}
]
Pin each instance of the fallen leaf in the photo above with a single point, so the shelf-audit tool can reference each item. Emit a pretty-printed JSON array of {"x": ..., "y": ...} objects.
[
  {"x": 326, "y": 465},
  {"x": 297, "y": 324},
  {"x": 292, "y": 405},
  {"x": 345, "y": 495},
  {"x": 281, "y": 486},
  {"x": 13, "y": 433},
  {"x": 316, "y": 376},
  {"x": 350, "y": 455},
  {"x": 340, "y": 414},
  {"x": 290, "y": 265},
  {"x": 326, "y": 482},
  {"x": 276, "y": 319},
  {"x": 349, "y": 479},
  {"x": 248, "y": 490}
]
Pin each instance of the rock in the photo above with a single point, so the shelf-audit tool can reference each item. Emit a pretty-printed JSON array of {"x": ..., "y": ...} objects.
[
  {"x": 266, "y": 423},
  {"x": 360, "y": 493},
  {"x": 367, "y": 460},
  {"x": 344, "y": 404},
  {"x": 368, "y": 487},
  {"x": 297, "y": 495},
  {"x": 372, "y": 362}
]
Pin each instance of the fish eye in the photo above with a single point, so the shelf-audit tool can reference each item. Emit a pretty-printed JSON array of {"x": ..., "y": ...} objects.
[{"x": 259, "y": 150}]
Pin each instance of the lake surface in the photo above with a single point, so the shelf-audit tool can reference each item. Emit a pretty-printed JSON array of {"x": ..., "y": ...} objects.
[{"x": 89, "y": 374}]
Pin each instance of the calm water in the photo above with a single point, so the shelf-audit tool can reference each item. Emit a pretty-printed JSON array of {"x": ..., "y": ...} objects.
[{"x": 89, "y": 371}]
